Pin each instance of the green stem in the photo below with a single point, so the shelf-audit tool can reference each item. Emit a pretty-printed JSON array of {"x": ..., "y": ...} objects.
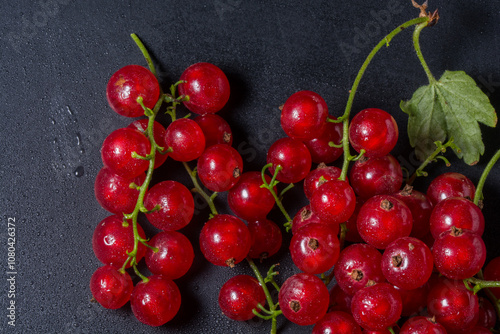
[
  {"x": 481, "y": 284},
  {"x": 345, "y": 116},
  {"x": 145, "y": 53},
  {"x": 199, "y": 189},
  {"x": 270, "y": 186},
  {"x": 440, "y": 148},
  {"x": 172, "y": 98},
  {"x": 138, "y": 273},
  {"x": 139, "y": 206},
  {"x": 416, "y": 46},
  {"x": 480, "y": 185},
  {"x": 274, "y": 313},
  {"x": 494, "y": 300}
]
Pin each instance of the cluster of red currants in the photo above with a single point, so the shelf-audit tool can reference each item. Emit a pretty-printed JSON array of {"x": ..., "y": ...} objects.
[
  {"x": 410, "y": 251},
  {"x": 399, "y": 240},
  {"x": 129, "y": 156}
]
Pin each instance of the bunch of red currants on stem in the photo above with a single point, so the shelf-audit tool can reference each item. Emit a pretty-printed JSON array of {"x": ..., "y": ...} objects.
[{"x": 402, "y": 260}]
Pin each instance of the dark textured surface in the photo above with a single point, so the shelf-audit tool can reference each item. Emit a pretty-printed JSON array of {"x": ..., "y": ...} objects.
[{"x": 57, "y": 55}]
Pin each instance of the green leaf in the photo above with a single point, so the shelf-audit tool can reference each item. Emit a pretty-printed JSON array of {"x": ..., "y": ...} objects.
[{"x": 449, "y": 108}]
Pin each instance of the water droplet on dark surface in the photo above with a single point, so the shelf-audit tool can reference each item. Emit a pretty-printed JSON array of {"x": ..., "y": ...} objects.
[{"x": 79, "y": 171}]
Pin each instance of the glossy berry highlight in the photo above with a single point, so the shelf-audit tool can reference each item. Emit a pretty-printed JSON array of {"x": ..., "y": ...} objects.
[
  {"x": 304, "y": 115},
  {"x": 239, "y": 296},
  {"x": 225, "y": 240},
  {"x": 303, "y": 299},
  {"x": 207, "y": 87},
  {"x": 129, "y": 83},
  {"x": 373, "y": 130},
  {"x": 110, "y": 287},
  {"x": 156, "y": 301},
  {"x": 293, "y": 157}
]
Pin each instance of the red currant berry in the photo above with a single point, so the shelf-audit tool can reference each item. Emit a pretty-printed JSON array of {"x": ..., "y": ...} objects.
[
  {"x": 112, "y": 240},
  {"x": 459, "y": 254},
  {"x": 114, "y": 193},
  {"x": 422, "y": 325},
  {"x": 293, "y": 157},
  {"x": 176, "y": 205},
  {"x": 383, "y": 219},
  {"x": 453, "y": 305},
  {"x": 215, "y": 129},
  {"x": 357, "y": 265},
  {"x": 129, "y": 83},
  {"x": 337, "y": 322},
  {"x": 321, "y": 148},
  {"x": 374, "y": 131},
  {"x": 456, "y": 211},
  {"x": 339, "y": 300},
  {"x": 407, "y": 263},
  {"x": 156, "y": 301},
  {"x": 110, "y": 287},
  {"x": 420, "y": 207},
  {"x": 225, "y": 240},
  {"x": 267, "y": 238},
  {"x": 174, "y": 255},
  {"x": 304, "y": 115},
  {"x": 220, "y": 167},
  {"x": 476, "y": 330},
  {"x": 158, "y": 134},
  {"x": 376, "y": 176},
  {"x": 206, "y": 86},
  {"x": 248, "y": 200},
  {"x": 117, "y": 149},
  {"x": 303, "y": 299},
  {"x": 186, "y": 140},
  {"x": 492, "y": 273},
  {"x": 315, "y": 248},
  {"x": 487, "y": 313},
  {"x": 306, "y": 216},
  {"x": 334, "y": 201},
  {"x": 239, "y": 296},
  {"x": 414, "y": 301},
  {"x": 318, "y": 176},
  {"x": 450, "y": 185},
  {"x": 376, "y": 307}
]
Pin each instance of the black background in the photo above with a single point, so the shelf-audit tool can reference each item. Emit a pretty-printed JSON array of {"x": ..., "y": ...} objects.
[{"x": 57, "y": 55}]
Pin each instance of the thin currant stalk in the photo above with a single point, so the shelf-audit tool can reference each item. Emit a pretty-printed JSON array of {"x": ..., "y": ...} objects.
[
  {"x": 139, "y": 207},
  {"x": 345, "y": 117},
  {"x": 495, "y": 301},
  {"x": 480, "y": 185},
  {"x": 440, "y": 148},
  {"x": 175, "y": 100},
  {"x": 416, "y": 46},
  {"x": 273, "y": 312},
  {"x": 480, "y": 284},
  {"x": 270, "y": 186},
  {"x": 199, "y": 189},
  {"x": 145, "y": 53}
]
